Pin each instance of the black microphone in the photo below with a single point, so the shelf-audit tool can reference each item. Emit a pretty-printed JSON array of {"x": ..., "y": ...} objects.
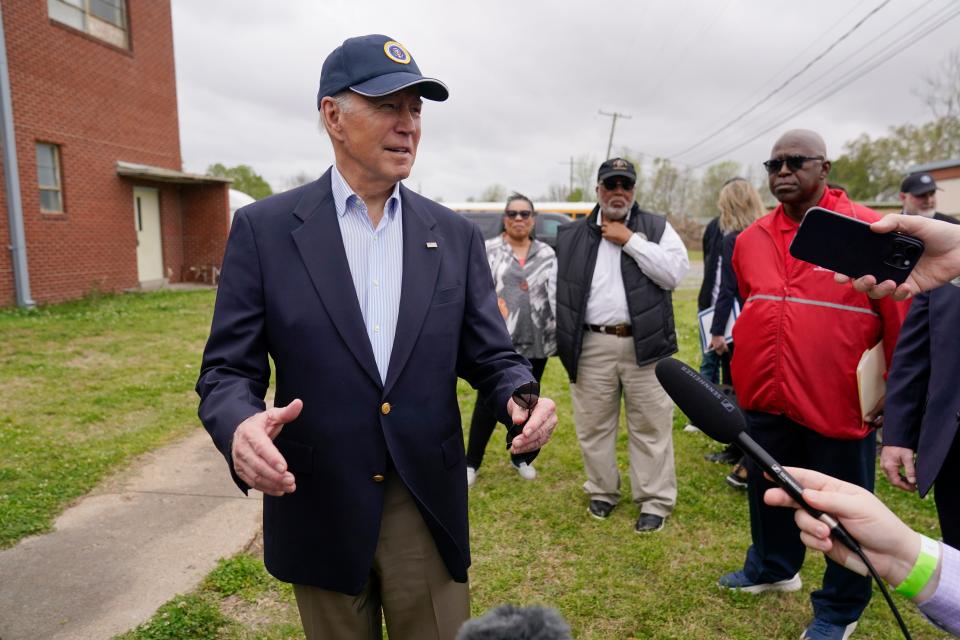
[
  {"x": 721, "y": 419},
  {"x": 718, "y": 417}
]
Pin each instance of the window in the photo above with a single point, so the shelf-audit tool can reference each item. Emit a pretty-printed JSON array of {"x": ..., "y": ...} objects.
[
  {"x": 102, "y": 19},
  {"x": 48, "y": 176}
]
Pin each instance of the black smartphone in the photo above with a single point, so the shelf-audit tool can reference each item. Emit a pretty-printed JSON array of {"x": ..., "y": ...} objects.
[{"x": 846, "y": 245}]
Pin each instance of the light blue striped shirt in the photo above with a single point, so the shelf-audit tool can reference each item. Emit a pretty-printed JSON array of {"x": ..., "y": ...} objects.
[{"x": 375, "y": 257}]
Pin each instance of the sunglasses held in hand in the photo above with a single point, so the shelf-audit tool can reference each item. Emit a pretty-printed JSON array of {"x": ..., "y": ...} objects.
[{"x": 526, "y": 397}]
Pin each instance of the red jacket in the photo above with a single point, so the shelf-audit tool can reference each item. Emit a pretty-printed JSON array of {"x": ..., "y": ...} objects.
[{"x": 800, "y": 335}]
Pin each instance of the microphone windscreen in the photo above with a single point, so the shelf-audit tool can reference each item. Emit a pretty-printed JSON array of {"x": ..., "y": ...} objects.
[{"x": 707, "y": 407}]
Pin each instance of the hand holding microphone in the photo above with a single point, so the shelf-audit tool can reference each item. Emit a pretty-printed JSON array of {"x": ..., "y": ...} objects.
[{"x": 890, "y": 545}]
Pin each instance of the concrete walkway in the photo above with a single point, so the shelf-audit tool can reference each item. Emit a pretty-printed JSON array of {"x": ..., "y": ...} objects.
[{"x": 132, "y": 544}]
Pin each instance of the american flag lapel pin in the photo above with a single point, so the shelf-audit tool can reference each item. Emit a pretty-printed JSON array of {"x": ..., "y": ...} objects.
[{"x": 431, "y": 245}]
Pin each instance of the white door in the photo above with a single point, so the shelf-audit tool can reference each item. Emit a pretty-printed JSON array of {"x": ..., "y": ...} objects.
[{"x": 146, "y": 219}]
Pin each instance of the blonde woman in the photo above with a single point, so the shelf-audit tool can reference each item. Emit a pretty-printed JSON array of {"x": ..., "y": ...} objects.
[{"x": 739, "y": 205}]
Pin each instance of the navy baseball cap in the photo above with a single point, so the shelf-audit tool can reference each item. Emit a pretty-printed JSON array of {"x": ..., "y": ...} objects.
[
  {"x": 373, "y": 66},
  {"x": 917, "y": 184}
]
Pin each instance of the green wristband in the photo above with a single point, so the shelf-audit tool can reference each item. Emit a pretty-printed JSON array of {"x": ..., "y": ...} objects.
[{"x": 923, "y": 569}]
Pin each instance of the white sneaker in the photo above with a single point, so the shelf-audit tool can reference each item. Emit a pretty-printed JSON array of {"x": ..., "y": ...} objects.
[
  {"x": 691, "y": 428},
  {"x": 526, "y": 471},
  {"x": 471, "y": 476}
]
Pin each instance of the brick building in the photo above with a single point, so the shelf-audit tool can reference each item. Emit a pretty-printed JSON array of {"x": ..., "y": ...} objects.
[{"x": 105, "y": 205}]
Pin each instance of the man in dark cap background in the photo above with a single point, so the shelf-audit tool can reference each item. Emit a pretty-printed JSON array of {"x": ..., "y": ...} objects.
[
  {"x": 616, "y": 271},
  {"x": 370, "y": 300},
  {"x": 918, "y": 193}
]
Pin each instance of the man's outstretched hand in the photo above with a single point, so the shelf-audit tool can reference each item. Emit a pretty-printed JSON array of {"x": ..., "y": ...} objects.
[{"x": 255, "y": 458}]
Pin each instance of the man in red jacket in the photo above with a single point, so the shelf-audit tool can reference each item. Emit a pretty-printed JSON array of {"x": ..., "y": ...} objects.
[{"x": 799, "y": 338}]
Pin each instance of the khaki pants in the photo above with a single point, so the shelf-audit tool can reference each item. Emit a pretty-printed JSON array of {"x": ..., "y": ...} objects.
[
  {"x": 608, "y": 369},
  {"x": 409, "y": 584}
]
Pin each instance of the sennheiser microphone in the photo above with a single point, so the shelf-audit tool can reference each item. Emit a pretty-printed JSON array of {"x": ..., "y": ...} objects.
[{"x": 718, "y": 417}]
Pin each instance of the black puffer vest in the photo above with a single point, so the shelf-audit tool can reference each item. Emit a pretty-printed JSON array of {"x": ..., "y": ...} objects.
[{"x": 651, "y": 308}]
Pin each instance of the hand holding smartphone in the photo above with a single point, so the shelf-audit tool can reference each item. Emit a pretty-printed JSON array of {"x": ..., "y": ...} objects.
[{"x": 846, "y": 245}]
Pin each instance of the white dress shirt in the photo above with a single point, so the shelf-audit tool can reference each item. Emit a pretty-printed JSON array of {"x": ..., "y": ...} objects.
[
  {"x": 665, "y": 263},
  {"x": 375, "y": 257}
]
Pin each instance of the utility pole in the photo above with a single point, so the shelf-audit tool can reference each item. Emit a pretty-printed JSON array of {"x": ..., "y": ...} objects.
[
  {"x": 570, "y": 191},
  {"x": 613, "y": 125}
]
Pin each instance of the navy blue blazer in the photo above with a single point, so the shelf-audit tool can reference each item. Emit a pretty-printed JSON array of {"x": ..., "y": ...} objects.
[
  {"x": 286, "y": 292},
  {"x": 922, "y": 408}
]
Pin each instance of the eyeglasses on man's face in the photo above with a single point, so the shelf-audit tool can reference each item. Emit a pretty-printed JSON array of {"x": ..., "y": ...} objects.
[
  {"x": 610, "y": 184},
  {"x": 794, "y": 163},
  {"x": 523, "y": 215}
]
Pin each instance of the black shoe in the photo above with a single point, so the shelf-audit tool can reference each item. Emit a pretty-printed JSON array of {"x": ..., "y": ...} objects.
[
  {"x": 723, "y": 457},
  {"x": 600, "y": 509},
  {"x": 648, "y": 523}
]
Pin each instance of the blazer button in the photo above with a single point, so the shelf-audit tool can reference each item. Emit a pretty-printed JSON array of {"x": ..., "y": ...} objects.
[
  {"x": 377, "y": 477},
  {"x": 385, "y": 408}
]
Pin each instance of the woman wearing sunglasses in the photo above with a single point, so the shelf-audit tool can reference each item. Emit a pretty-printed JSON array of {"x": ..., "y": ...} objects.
[{"x": 524, "y": 275}]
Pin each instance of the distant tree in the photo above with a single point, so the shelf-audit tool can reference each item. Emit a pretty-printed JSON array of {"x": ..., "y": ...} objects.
[
  {"x": 584, "y": 179},
  {"x": 244, "y": 179},
  {"x": 872, "y": 168},
  {"x": 704, "y": 193},
  {"x": 667, "y": 189},
  {"x": 493, "y": 193},
  {"x": 299, "y": 179}
]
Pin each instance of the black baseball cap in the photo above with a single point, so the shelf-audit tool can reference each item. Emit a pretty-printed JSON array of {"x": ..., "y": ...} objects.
[
  {"x": 616, "y": 167},
  {"x": 374, "y": 66},
  {"x": 917, "y": 184}
]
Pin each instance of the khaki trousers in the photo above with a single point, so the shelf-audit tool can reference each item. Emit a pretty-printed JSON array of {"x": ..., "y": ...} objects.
[
  {"x": 409, "y": 584},
  {"x": 608, "y": 370}
]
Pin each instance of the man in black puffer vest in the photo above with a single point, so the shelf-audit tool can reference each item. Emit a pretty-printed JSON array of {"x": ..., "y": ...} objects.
[{"x": 616, "y": 271}]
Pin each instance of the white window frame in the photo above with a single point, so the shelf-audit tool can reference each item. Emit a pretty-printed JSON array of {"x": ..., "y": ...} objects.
[
  {"x": 58, "y": 174},
  {"x": 84, "y": 19}
]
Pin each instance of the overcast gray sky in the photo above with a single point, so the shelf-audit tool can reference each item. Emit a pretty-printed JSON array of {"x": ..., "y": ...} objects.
[{"x": 527, "y": 79}]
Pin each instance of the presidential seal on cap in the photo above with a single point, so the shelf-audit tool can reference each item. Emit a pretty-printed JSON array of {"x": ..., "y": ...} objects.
[
  {"x": 616, "y": 167},
  {"x": 918, "y": 184},
  {"x": 374, "y": 66}
]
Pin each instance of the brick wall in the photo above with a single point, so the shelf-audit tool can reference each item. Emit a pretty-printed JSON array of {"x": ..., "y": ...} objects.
[
  {"x": 100, "y": 104},
  {"x": 206, "y": 218}
]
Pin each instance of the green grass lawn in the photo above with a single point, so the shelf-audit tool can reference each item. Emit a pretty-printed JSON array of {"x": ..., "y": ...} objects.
[
  {"x": 89, "y": 385},
  {"x": 85, "y": 387}
]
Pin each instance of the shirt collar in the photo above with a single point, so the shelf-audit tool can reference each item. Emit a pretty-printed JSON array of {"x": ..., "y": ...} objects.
[{"x": 343, "y": 195}]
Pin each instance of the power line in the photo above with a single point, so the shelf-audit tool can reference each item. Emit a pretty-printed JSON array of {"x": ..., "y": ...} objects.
[
  {"x": 912, "y": 36},
  {"x": 837, "y": 86},
  {"x": 864, "y": 57},
  {"x": 786, "y": 82},
  {"x": 802, "y": 53}
]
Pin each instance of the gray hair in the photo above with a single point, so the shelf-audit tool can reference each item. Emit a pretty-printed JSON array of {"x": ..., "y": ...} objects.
[
  {"x": 344, "y": 101},
  {"x": 508, "y": 622}
]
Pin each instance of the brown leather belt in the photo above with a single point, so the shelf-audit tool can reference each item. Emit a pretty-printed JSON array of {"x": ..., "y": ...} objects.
[{"x": 620, "y": 330}]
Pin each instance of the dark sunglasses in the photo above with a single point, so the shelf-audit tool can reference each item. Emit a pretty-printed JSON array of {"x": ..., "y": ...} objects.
[
  {"x": 611, "y": 183},
  {"x": 794, "y": 163},
  {"x": 518, "y": 214}
]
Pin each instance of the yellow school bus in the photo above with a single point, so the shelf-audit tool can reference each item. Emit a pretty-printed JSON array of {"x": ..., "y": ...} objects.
[{"x": 573, "y": 209}]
